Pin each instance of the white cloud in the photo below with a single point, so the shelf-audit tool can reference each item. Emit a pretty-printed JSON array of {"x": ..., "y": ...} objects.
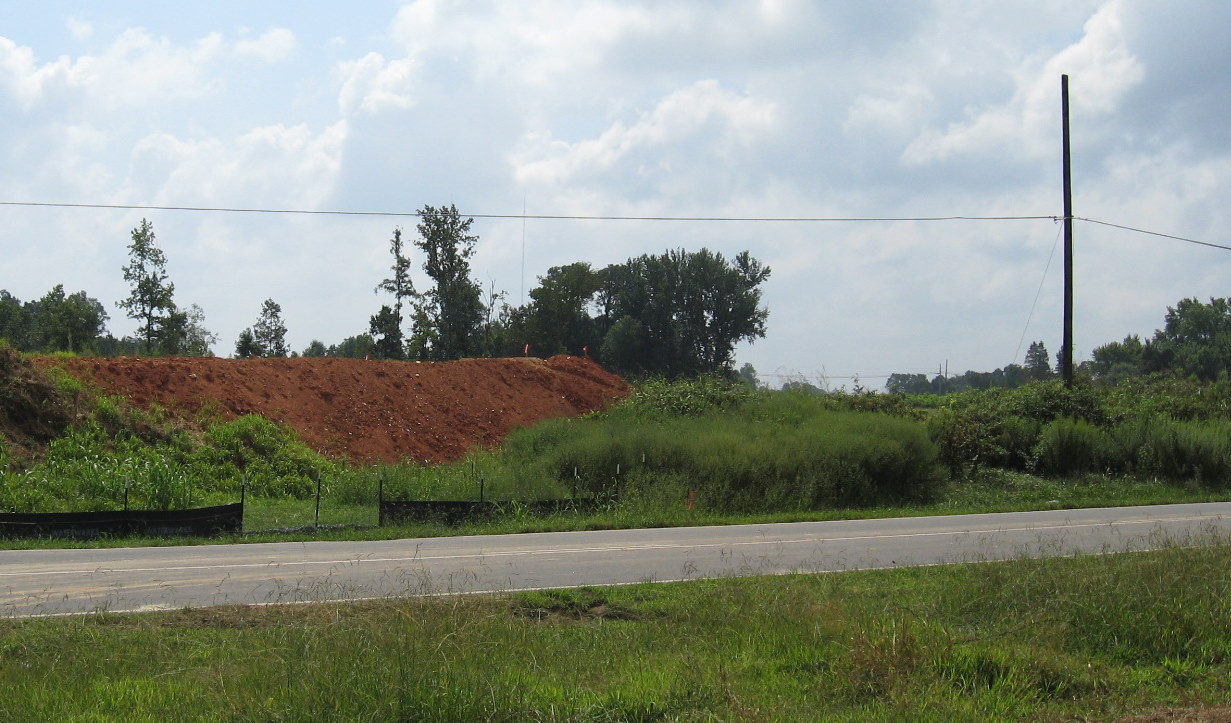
[
  {"x": 719, "y": 119},
  {"x": 24, "y": 79},
  {"x": 1024, "y": 127},
  {"x": 372, "y": 85},
  {"x": 274, "y": 46},
  {"x": 136, "y": 69},
  {"x": 274, "y": 165}
]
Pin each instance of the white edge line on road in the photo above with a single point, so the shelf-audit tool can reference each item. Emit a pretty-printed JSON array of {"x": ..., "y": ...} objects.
[
  {"x": 512, "y": 591},
  {"x": 609, "y": 548}
]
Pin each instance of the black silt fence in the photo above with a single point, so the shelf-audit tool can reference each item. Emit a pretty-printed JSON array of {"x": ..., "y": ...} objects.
[{"x": 199, "y": 522}]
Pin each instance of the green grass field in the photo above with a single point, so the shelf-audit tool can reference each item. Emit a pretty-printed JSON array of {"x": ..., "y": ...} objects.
[{"x": 1091, "y": 638}]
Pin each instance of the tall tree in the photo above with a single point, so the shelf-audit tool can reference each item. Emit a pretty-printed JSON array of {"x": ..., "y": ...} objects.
[
  {"x": 269, "y": 332},
  {"x": 1038, "y": 364},
  {"x": 556, "y": 320},
  {"x": 448, "y": 316},
  {"x": 150, "y": 301},
  {"x": 400, "y": 284}
]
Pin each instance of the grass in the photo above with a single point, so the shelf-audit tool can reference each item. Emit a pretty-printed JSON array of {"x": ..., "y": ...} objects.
[{"x": 1090, "y": 638}]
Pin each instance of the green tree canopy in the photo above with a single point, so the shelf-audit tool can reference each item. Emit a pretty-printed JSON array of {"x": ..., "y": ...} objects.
[
  {"x": 1038, "y": 363},
  {"x": 399, "y": 284},
  {"x": 691, "y": 308},
  {"x": 1195, "y": 340},
  {"x": 246, "y": 346},
  {"x": 448, "y": 316},
  {"x": 556, "y": 318},
  {"x": 269, "y": 332},
  {"x": 387, "y": 330},
  {"x": 151, "y": 300},
  {"x": 315, "y": 349}
]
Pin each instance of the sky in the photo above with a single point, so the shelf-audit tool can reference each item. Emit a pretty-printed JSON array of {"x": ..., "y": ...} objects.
[{"x": 778, "y": 109}]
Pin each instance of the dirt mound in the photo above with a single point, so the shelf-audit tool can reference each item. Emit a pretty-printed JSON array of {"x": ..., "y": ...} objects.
[
  {"x": 368, "y": 410},
  {"x": 31, "y": 411}
]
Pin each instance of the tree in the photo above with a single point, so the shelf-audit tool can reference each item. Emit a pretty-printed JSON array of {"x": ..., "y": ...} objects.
[
  {"x": 269, "y": 332},
  {"x": 246, "y": 346},
  {"x": 1118, "y": 359},
  {"x": 196, "y": 339},
  {"x": 354, "y": 347},
  {"x": 908, "y": 384},
  {"x": 386, "y": 327},
  {"x": 399, "y": 284},
  {"x": 447, "y": 316},
  {"x": 748, "y": 375},
  {"x": 150, "y": 302},
  {"x": 1038, "y": 363},
  {"x": 66, "y": 323},
  {"x": 1195, "y": 340},
  {"x": 556, "y": 320},
  {"x": 623, "y": 348},
  {"x": 14, "y": 321},
  {"x": 315, "y": 349},
  {"x": 692, "y": 309}
]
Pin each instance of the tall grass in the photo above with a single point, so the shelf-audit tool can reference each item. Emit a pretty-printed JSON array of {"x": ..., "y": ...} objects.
[
  {"x": 1192, "y": 452},
  {"x": 783, "y": 451}
]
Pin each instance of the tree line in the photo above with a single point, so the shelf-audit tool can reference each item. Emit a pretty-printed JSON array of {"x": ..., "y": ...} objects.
[
  {"x": 673, "y": 314},
  {"x": 1194, "y": 342}
]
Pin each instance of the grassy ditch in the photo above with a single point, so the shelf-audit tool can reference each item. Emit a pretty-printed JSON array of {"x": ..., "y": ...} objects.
[{"x": 1092, "y": 638}]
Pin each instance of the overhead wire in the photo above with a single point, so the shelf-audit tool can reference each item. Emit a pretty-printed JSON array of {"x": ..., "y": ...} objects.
[
  {"x": 522, "y": 216},
  {"x": 1152, "y": 233},
  {"x": 1039, "y": 292}
]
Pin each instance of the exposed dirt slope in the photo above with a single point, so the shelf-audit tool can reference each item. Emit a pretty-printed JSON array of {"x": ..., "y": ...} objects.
[
  {"x": 31, "y": 411},
  {"x": 368, "y": 410}
]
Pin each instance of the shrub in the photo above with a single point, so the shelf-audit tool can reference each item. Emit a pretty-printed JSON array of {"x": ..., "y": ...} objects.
[{"x": 1071, "y": 447}]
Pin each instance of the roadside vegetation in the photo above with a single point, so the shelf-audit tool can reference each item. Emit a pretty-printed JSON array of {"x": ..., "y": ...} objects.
[
  {"x": 702, "y": 451},
  {"x": 1089, "y": 638}
]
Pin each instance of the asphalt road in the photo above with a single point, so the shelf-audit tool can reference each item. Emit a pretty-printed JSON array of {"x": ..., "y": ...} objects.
[{"x": 54, "y": 582}]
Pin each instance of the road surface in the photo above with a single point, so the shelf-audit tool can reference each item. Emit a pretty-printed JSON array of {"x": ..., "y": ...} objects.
[{"x": 56, "y": 582}]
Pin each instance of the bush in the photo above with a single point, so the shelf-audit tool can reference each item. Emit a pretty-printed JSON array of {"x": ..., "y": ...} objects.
[{"x": 1071, "y": 447}]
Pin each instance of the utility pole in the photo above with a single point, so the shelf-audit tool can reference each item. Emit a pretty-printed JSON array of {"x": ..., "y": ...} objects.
[{"x": 1066, "y": 350}]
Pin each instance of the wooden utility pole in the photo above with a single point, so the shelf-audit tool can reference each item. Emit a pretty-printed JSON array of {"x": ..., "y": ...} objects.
[{"x": 1066, "y": 350}]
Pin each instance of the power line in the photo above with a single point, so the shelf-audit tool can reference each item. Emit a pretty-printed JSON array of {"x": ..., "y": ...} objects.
[
  {"x": 1037, "y": 293},
  {"x": 583, "y": 217},
  {"x": 1153, "y": 233},
  {"x": 523, "y": 215}
]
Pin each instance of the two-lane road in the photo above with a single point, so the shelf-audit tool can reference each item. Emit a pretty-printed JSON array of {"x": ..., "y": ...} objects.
[{"x": 44, "y": 582}]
